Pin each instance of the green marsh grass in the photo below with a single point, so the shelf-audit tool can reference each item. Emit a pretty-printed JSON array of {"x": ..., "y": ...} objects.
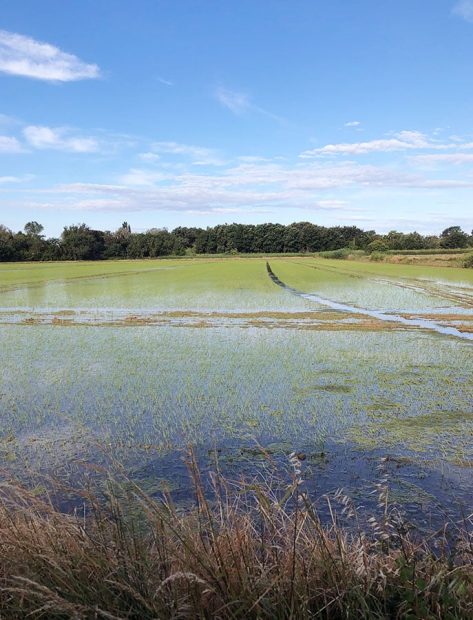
[
  {"x": 147, "y": 389},
  {"x": 167, "y": 386}
]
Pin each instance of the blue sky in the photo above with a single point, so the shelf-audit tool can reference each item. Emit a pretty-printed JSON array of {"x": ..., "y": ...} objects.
[{"x": 185, "y": 112}]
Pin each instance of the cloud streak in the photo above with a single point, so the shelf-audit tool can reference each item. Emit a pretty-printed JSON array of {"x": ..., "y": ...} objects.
[
  {"x": 165, "y": 82},
  {"x": 464, "y": 9},
  {"x": 14, "y": 179},
  {"x": 402, "y": 141},
  {"x": 9, "y": 144},
  {"x": 236, "y": 102},
  {"x": 202, "y": 156},
  {"x": 58, "y": 138},
  {"x": 315, "y": 186},
  {"x": 23, "y": 56},
  {"x": 240, "y": 103},
  {"x": 455, "y": 159}
]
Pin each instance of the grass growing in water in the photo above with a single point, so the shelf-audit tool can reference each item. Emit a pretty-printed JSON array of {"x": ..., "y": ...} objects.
[{"x": 250, "y": 552}]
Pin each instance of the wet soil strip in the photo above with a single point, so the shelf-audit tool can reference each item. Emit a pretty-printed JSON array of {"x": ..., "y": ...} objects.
[{"x": 376, "y": 314}]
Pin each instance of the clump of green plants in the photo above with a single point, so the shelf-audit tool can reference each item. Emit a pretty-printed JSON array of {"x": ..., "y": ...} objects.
[
  {"x": 341, "y": 254},
  {"x": 255, "y": 550},
  {"x": 431, "y": 251},
  {"x": 377, "y": 256},
  {"x": 468, "y": 261},
  {"x": 378, "y": 245}
]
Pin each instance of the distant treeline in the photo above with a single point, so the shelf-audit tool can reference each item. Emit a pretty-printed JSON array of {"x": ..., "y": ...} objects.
[{"x": 79, "y": 242}]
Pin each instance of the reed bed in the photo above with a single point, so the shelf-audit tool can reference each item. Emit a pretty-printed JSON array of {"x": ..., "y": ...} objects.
[{"x": 248, "y": 550}]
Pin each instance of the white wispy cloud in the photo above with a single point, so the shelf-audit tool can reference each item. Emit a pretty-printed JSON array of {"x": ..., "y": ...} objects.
[
  {"x": 8, "y": 121},
  {"x": 176, "y": 148},
  {"x": 464, "y": 9},
  {"x": 314, "y": 186},
  {"x": 432, "y": 223},
  {"x": 58, "y": 138},
  {"x": 139, "y": 177},
  {"x": 332, "y": 204},
  {"x": 444, "y": 158},
  {"x": 226, "y": 211},
  {"x": 239, "y": 103},
  {"x": 165, "y": 82},
  {"x": 149, "y": 157},
  {"x": 10, "y": 144},
  {"x": 402, "y": 141},
  {"x": 202, "y": 156},
  {"x": 352, "y": 124},
  {"x": 24, "y": 56},
  {"x": 15, "y": 179},
  {"x": 236, "y": 102},
  {"x": 253, "y": 159}
]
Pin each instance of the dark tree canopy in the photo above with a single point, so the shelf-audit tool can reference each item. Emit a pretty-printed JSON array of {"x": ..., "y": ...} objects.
[
  {"x": 453, "y": 237},
  {"x": 79, "y": 242},
  {"x": 33, "y": 229}
]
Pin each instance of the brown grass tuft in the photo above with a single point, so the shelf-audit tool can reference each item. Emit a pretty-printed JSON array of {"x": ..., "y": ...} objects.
[{"x": 245, "y": 553}]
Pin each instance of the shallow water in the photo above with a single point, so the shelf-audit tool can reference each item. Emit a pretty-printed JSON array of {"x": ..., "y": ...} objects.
[
  {"x": 137, "y": 365},
  {"x": 376, "y": 314}
]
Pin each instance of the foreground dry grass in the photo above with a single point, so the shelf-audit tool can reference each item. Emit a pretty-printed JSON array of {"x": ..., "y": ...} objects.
[{"x": 245, "y": 554}]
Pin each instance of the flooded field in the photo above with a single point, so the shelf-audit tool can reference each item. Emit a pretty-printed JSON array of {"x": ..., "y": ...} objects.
[{"x": 348, "y": 363}]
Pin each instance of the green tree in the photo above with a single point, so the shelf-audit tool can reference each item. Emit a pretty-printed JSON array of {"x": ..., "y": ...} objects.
[
  {"x": 7, "y": 249},
  {"x": 453, "y": 237},
  {"x": 79, "y": 242},
  {"x": 33, "y": 229}
]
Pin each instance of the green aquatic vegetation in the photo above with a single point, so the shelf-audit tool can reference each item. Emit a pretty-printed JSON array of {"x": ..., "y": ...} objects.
[
  {"x": 424, "y": 433},
  {"x": 195, "y": 385},
  {"x": 406, "y": 492},
  {"x": 213, "y": 285},
  {"x": 121, "y": 367},
  {"x": 378, "y": 291},
  {"x": 380, "y": 405},
  {"x": 334, "y": 388},
  {"x": 437, "y": 418},
  {"x": 450, "y": 274}
]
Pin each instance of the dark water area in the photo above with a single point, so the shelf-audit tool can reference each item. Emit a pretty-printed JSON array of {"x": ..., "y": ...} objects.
[{"x": 425, "y": 496}]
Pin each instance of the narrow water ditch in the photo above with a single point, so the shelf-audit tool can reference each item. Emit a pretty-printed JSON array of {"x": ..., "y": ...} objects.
[{"x": 376, "y": 314}]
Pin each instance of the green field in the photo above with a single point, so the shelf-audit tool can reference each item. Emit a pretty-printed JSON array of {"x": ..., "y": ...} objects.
[{"x": 135, "y": 359}]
